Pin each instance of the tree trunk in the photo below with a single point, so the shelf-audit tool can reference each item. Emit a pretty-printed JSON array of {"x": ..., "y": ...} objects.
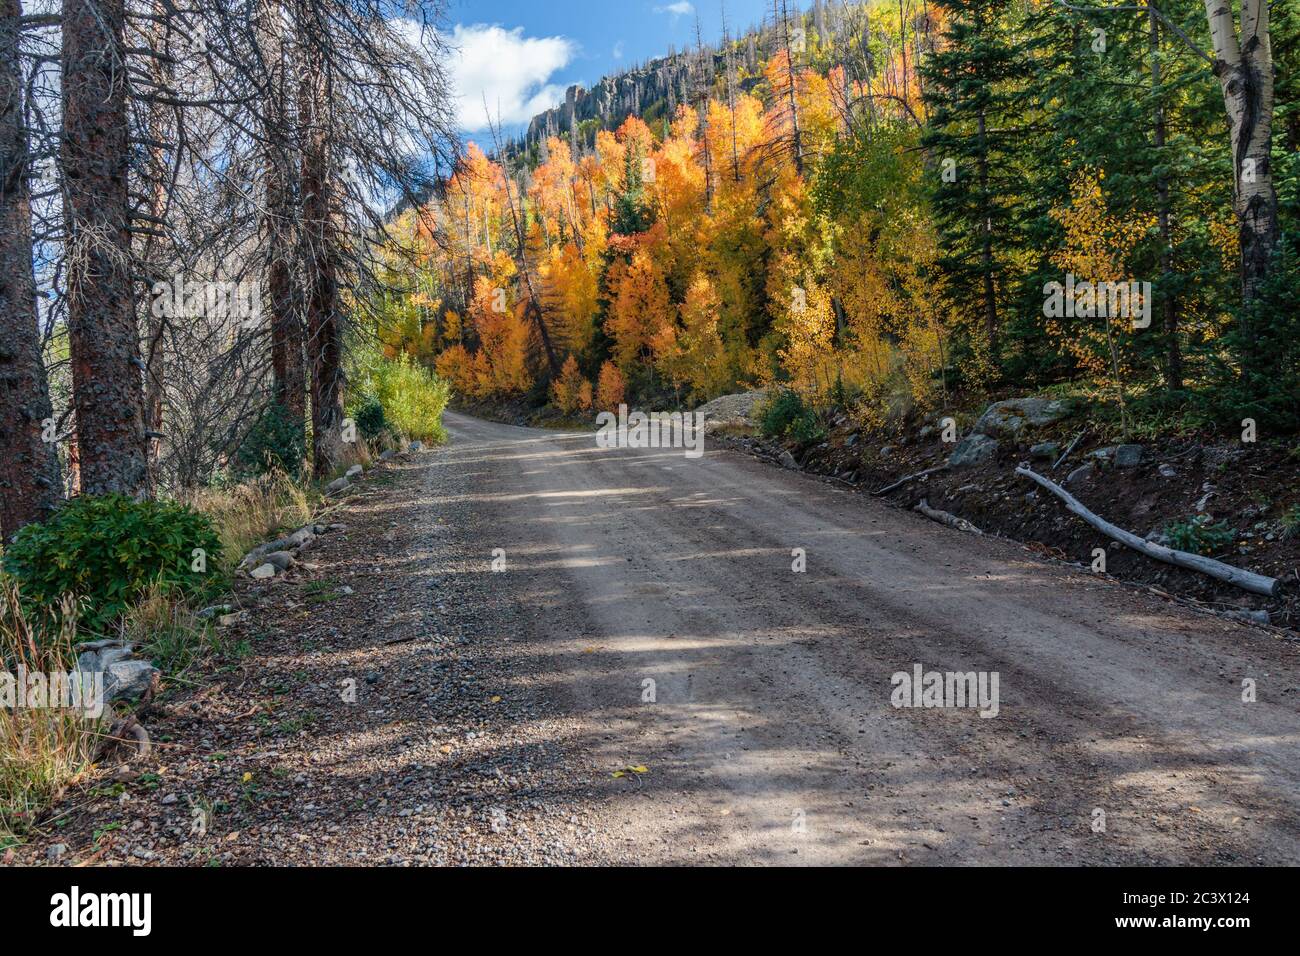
[
  {"x": 29, "y": 485},
  {"x": 796, "y": 135},
  {"x": 1244, "y": 65},
  {"x": 159, "y": 174},
  {"x": 107, "y": 383},
  {"x": 1169, "y": 305},
  {"x": 320, "y": 259},
  {"x": 288, "y": 357},
  {"x": 986, "y": 244}
]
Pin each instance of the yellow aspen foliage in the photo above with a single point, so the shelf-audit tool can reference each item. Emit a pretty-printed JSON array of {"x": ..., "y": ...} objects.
[
  {"x": 456, "y": 365},
  {"x": 697, "y": 357},
  {"x": 1097, "y": 246},
  {"x": 734, "y": 136},
  {"x": 807, "y": 324},
  {"x": 1096, "y": 250},
  {"x": 570, "y": 292}
]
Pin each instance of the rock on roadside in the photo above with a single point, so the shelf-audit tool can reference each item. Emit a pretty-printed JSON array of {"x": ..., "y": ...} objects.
[
  {"x": 973, "y": 450},
  {"x": 1008, "y": 419}
]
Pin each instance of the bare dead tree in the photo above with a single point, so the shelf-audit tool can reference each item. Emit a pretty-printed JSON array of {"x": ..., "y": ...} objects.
[
  {"x": 320, "y": 242},
  {"x": 100, "y": 296},
  {"x": 288, "y": 357},
  {"x": 28, "y": 467},
  {"x": 190, "y": 161}
]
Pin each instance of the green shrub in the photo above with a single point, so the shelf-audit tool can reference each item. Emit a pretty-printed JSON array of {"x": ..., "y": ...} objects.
[
  {"x": 108, "y": 551},
  {"x": 275, "y": 443},
  {"x": 787, "y": 416},
  {"x": 779, "y": 413},
  {"x": 411, "y": 396},
  {"x": 370, "y": 419},
  {"x": 1198, "y": 536}
]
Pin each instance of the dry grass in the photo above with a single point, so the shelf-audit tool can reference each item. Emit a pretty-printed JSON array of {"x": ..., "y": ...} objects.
[
  {"x": 166, "y": 629},
  {"x": 248, "y": 514},
  {"x": 42, "y": 752}
]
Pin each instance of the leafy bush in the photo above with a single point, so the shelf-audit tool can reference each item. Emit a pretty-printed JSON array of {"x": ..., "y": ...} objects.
[
  {"x": 107, "y": 551},
  {"x": 274, "y": 443},
  {"x": 370, "y": 418},
  {"x": 779, "y": 413},
  {"x": 1198, "y": 536},
  {"x": 411, "y": 396},
  {"x": 787, "y": 416}
]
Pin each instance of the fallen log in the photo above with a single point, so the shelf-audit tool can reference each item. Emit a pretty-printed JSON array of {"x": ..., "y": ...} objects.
[
  {"x": 1246, "y": 580},
  {"x": 902, "y": 481},
  {"x": 1070, "y": 450},
  {"x": 943, "y": 517}
]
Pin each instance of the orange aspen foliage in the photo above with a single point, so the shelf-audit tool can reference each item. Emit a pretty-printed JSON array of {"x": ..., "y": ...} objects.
[
  {"x": 641, "y": 307},
  {"x": 571, "y": 392},
  {"x": 611, "y": 388}
]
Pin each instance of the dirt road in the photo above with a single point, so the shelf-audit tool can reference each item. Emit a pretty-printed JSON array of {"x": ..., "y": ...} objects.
[{"x": 768, "y": 732}]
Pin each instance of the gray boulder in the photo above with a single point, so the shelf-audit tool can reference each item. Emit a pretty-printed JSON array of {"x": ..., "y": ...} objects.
[
  {"x": 262, "y": 572},
  {"x": 337, "y": 485},
  {"x": 127, "y": 680},
  {"x": 293, "y": 542},
  {"x": 124, "y": 676},
  {"x": 356, "y": 471},
  {"x": 1046, "y": 451},
  {"x": 1129, "y": 456},
  {"x": 281, "y": 560},
  {"x": 973, "y": 450},
  {"x": 416, "y": 446},
  {"x": 1008, "y": 419},
  {"x": 1082, "y": 473}
]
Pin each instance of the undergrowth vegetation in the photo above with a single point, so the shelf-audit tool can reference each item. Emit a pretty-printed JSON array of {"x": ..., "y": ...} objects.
[
  {"x": 107, "y": 551},
  {"x": 42, "y": 751},
  {"x": 111, "y": 566},
  {"x": 411, "y": 398}
]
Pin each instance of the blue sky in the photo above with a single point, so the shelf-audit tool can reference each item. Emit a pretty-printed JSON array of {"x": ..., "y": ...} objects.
[{"x": 523, "y": 53}]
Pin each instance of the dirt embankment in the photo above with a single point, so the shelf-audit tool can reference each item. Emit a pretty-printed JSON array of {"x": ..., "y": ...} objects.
[{"x": 1249, "y": 491}]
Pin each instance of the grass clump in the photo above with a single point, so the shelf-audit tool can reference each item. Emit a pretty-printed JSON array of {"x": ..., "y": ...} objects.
[{"x": 42, "y": 751}]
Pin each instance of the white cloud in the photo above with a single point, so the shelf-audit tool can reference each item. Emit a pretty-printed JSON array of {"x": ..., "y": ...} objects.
[
  {"x": 679, "y": 9},
  {"x": 618, "y": 50},
  {"x": 511, "y": 70}
]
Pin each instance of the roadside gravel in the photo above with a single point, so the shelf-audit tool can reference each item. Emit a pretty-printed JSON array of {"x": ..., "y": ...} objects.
[{"x": 451, "y": 753}]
